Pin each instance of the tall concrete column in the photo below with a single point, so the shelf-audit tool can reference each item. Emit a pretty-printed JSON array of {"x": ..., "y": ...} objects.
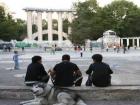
[
  {"x": 50, "y": 28},
  {"x": 39, "y": 26},
  {"x": 138, "y": 44},
  {"x": 70, "y": 21},
  {"x": 60, "y": 27},
  {"x": 29, "y": 24},
  {"x": 127, "y": 41}
]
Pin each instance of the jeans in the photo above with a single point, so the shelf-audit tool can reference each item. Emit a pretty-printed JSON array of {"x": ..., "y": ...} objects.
[{"x": 16, "y": 67}]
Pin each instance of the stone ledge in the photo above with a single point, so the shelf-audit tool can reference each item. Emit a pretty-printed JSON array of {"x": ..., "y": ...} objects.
[
  {"x": 87, "y": 93},
  {"x": 15, "y": 92}
]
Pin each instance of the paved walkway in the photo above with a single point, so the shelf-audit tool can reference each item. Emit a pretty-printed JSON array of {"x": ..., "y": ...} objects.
[
  {"x": 16, "y": 102},
  {"x": 125, "y": 66}
]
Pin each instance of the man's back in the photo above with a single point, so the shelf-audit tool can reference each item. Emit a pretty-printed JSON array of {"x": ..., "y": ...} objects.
[
  {"x": 35, "y": 72},
  {"x": 101, "y": 74},
  {"x": 65, "y": 73}
]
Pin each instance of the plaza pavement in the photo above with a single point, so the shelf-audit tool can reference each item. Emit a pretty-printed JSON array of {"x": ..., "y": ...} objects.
[{"x": 126, "y": 67}]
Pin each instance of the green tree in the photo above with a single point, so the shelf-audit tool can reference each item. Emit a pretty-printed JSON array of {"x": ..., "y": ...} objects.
[
  {"x": 10, "y": 28},
  {"x": 122, "y": 17},
  {"x": 21, "y": 29},
  {"x": 86, "y": 22},
  {"x": 91, "y": 20},
  {"x": 66, "y": 24},
  {"x": 2, "y": 14}
]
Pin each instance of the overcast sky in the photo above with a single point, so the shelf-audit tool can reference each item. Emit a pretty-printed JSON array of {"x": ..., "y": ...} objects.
[{"x": 17, "y": 5}]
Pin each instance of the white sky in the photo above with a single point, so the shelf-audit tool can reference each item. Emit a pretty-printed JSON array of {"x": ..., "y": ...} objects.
[{"x": 17, "y": 5}]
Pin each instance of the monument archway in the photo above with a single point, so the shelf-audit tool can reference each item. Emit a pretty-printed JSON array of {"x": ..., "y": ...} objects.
[
  {"x": 48, "y": 13},
  {"x": 65, "y": 35}
]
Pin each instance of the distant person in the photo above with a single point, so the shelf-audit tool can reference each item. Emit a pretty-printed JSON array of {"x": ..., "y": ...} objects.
[
  {"x": 135, "y": 47},
  {"x": 9, "y": 48},
  {"x": 107, "y": 48},
  {"x": 16, "y": 60},
  {"x": 22, "y": 48},
  {"x": 75, "y": 48},
  {"x": 45, "y": 48},
  {"x": 124, "y": 49},
  {"x": 4, "y": 48},
  {"x": 128, "y": 47},
  {"x": 118, "y": 49},
  {"x": 81, "y": 52},
  {"x": 53, "y": 49},
  {"x": 114, "y": 47},
  {"x": 84, "y": 48},
  {"x": 36, "y": 71},
  {"x": 66, "y": 73},
  {"x": 100, "y": 71},
  {"x": 91, "y": 49}
]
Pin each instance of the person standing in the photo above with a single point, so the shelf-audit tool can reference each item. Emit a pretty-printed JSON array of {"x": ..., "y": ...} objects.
[
  {"x": 66, "y": 73},
  {"x": 16, "y": 60},
  {"x": 114, "y": 47},
  {"x": 81, "y": 52},
  {"x": 36, "y": 71},
  {"x": 107, "y": 48},
  {"x": 124, "y": 49},
  {"x": 22, "y": 48},
  {"x": 100, "y": 72}
]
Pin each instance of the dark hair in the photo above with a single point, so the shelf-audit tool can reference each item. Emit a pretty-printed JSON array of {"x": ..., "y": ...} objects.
[
  {"x": 97, "y": 57},
  {"x": 15, "y": 52},
  {"x": 66, "y": 57},
  {"x": 35, "y": 59}
]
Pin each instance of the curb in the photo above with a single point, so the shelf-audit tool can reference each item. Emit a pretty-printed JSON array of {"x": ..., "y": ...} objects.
[
  {"x": 15, "y": 92},
  {"x": 87, "y": 93}
]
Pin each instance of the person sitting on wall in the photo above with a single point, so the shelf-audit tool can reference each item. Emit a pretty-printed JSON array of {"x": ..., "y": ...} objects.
[
  {"x": 66, "y": 73},
  {"x": 36, "y": 72},
  {"x": 100, "y": 72}
]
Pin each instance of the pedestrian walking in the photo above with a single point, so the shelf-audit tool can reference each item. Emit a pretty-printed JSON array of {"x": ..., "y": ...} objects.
[
  {"x": 16, "y": 60},
  {"x": 81, "y": 53},
  {"x": 107, "y": 48},
  {"x": 22, "y": 49},
  {"x": 53, "y": 49},
  {"x": 114, "y": 47},
  {"x": 124, "y": 49},
  {"x": 128, "y": 47},
  {"x": 118, "y": 49}
]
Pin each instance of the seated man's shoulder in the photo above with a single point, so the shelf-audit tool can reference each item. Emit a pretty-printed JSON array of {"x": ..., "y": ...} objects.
[
  {"x": 104, "y": 63},
  {"x": 72, "y": 63}
]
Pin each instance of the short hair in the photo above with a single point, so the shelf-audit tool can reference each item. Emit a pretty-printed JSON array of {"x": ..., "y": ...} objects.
[
  {"x": 35, "y": 59},
  {"x": 66, "y": 57},
  {"x": 97, "y": 57},
  {"x": 15, "y": 52}
]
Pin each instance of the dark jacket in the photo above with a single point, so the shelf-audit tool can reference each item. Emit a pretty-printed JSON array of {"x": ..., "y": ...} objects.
[
  {"x": 100, "y": 74},
  {"x": 36, "y": 72},
  {"x": 64, "y": 73}
]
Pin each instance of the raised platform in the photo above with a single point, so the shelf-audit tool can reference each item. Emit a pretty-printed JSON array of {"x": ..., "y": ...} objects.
[{"x": 87, "y": 93}]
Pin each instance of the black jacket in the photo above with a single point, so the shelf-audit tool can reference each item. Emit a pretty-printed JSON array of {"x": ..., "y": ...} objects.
[
  {"x": 100, "y": 74},
  {"x": 36, "y": 72}
]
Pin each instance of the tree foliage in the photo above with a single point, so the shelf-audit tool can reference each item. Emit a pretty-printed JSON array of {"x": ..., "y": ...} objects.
[
  {"x": 10, "y": 28},
  {"x": 91, "y": 20}
]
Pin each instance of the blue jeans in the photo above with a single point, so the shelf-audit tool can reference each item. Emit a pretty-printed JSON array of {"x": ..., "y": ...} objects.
[{"x": 16, "y": 67}]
